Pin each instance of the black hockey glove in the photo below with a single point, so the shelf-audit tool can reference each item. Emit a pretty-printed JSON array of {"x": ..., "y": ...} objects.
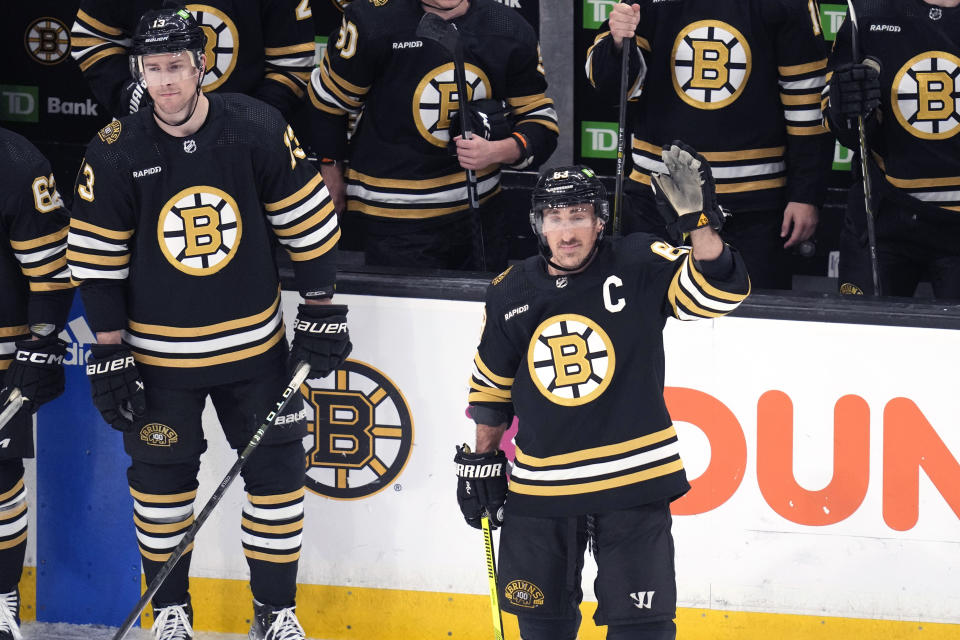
[
  {"x": 686, "y": 197},
  {"x": 481, "y": 485},
  {"x": 37, "y": 370},
  {"x": 133, "y": 97},
  {"x": 490, "y": 119},
  {"x": 116, "y": 386},
  {"x": 855, "y": 90},
  {"x": 320, "y": 338}
]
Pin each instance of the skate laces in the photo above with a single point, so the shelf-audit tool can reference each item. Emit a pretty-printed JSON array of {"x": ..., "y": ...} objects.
[
  {"x": 172, "y": 623},
  {"x": 286, "y": 626},
  {"x": 9, "y": 603}
]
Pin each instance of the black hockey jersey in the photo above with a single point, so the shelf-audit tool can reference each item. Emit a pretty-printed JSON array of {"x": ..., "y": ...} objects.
[
  {"x": 173, "y": 239},
  {"x": 399, "y": 163},
  {"x": 263, "y": 48},
  {"x": 915, "y": 139},
  {"x": 579, "y": 359},
  {"x": 35, "y": 285},
  {"x": 740, "y": 81}
]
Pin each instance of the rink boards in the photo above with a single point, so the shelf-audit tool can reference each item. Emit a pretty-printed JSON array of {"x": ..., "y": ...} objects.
[{"x": 823, "y": 459}]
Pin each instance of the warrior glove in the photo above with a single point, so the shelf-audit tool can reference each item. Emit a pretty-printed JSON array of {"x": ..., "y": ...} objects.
[
  {"x": 686, "y": 197},
  {"x": 481, "y": 485},
  {"x": 116, "y": 386},
  {"x": 855, "y": 90},
  {"x": 134, "y": 96},
  {"x": 37, "y": 371},
  {"x": 320, "y": 338}
]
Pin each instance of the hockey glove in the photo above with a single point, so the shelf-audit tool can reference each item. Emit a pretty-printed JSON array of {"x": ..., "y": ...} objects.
[
  {"x": 134, "y": 97},
  {"x": 855, "y": 90},
  {"x": 37, "y": 370},
  {"x": 116, "y": 386},
  {"x": 481, "y": 485},
  {"x": 686, "y": 197},
  {"x": 320, "y": 338},
  {"x": 490, "y": 119}
]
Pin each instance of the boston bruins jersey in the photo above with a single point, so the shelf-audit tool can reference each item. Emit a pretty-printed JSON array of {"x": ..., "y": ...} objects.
[
  {"x": 738, "y": 80},
  {"x": 173, "y": 238},
  {"x": 35, "y": 286},
  {"x": 579, "y": 359},
  {"x": 915, "y": 139},
  {"x": 263, "y": 48},
  {"x": 404, "y": 85}
]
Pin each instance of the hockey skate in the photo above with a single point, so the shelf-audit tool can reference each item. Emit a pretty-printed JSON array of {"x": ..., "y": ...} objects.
[
  {"x": 275, "y": 623},
  {"x": 10, "y": 615},
  {"x": 173, "y": 622}
]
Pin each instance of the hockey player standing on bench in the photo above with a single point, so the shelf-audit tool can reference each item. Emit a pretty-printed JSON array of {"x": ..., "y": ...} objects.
[
  {"x": 403, "y": 179},
  {"x": 739, "y": 80},
  {"x": 572, "y": 343},
  {"x": 35, "y": 297},
  {"x": 171, "y": 235}
]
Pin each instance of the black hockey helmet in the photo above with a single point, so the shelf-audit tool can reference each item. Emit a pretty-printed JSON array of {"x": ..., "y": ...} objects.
[
  {"x": 565, "y": 187},
  {"x": 171, "y": 29}
]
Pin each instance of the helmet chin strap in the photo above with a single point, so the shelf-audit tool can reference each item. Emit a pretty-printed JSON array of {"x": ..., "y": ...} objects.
[
  {"x": 433, "y": 6},
  {"x": 196, "y": 101},
  {"x": 583, "y": 263}
]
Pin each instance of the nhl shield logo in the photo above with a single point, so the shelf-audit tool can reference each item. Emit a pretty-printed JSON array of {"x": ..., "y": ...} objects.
[
  {"x": 361, "y": 432},
  {"x": 571, "y": 359},
  {"x": 936, "y": 13},
  {"x": 189, "y": 146}
]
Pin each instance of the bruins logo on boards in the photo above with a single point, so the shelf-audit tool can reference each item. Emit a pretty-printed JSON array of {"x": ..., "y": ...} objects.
[
  {"x": 223, "y": 42},
  {"x": 571, "y": 359},
  {"x": 711, "y": 64},
  {"x": 925, "y": 95},
  {"x": 436, "y": 98},
  {"x": 199, "y": 230},
  {"x": 47, "y": 40},
  {"x": 361, "y": 432}
]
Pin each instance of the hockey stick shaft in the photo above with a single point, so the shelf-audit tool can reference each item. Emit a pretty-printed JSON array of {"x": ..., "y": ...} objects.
[
  {"x": 300, "y": 374},
  {"x": 14, "y": 402},
  {"x": 864, "y": 160},
  {"x": 621, "y": 137},
  {"x": 492, "y": 578}
]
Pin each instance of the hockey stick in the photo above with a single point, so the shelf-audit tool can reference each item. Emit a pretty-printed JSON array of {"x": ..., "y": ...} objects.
[
  {"x": 625, "y": 52},
  {"x": 14, "y": 401},
  {"x": 864, "y": 162},
  {"x": 433, "y": 27},
  {"x": 492, "y": 579},
  {"x": 299, "y": 375}
]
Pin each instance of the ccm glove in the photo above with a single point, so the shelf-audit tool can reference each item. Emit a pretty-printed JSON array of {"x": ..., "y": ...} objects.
[
  {"x": 116, "y": 385},
  {"x": 686, "y": 197},
  {"x": 855, "y": 90},
  {"x": 320, "y": 338},
  {"x": 481, "y": 485},
  {"x": 37, "y": 370}
]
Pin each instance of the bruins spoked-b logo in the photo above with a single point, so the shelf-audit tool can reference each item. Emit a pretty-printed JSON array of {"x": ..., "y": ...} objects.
[
  {"x": 223, "y": 42},
  {"x": 436, "y": 99},
  {"x": 199, "y": 230},
  {"x": 571, "y": 359},
  {"x": 925, "y": 95},
  {"x": 47, "y": 40},
  {"x": 361, "y": 432},
  {"x": 711, "y": 64}
]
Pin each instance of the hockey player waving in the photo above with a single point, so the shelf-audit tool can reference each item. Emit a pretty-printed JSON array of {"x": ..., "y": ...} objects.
[
  {"x": 572, "y": 344},
  {"x": 178, "y": 207}
]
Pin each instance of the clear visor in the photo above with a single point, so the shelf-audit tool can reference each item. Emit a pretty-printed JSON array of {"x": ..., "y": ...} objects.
[
  {"x": 578, "y": 216},
  {"x": 159, "y": 69}
]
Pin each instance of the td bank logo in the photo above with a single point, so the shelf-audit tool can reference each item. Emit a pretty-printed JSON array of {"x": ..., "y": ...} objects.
[
  {"x": 598, "y": 139},
  {"x": 595, "y": 12},
  {"x": 19, "y": 103},
  {"x": 831, "y": 17},
  {"x": 361, "y": 432},
  {"x": 842, "y": 158}
]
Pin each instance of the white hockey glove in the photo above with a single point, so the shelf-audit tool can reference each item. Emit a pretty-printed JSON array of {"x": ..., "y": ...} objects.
[{"x": 686, "y": 197}]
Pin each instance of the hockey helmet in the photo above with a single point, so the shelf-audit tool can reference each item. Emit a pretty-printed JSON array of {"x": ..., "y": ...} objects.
[
  {"x": 565, "y": 187},
  {"x": 169, "y": 30}
]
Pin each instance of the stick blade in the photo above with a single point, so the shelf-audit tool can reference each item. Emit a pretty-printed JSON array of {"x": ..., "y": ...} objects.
[{"x": 433, "y": 27}]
